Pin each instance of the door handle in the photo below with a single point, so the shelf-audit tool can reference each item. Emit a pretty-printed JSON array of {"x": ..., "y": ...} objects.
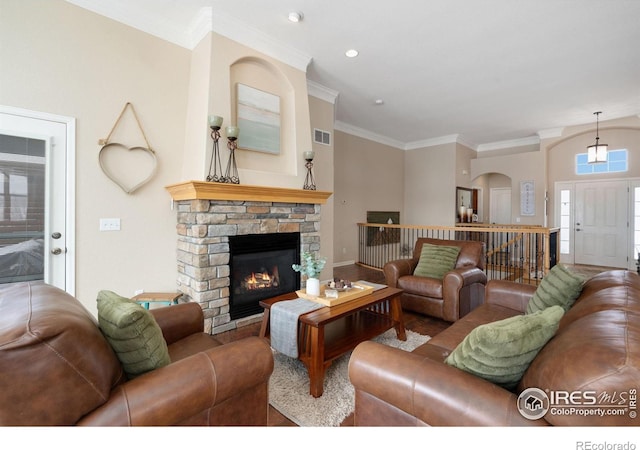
[
  {"x": 578, "y": 229},
  {"x": 56, "y": 251}
]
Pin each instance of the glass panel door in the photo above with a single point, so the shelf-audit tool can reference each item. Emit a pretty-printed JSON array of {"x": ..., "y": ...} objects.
[{"x": 22, "y": 208}]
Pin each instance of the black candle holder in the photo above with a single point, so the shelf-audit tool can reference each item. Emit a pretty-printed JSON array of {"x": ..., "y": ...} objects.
[
  {"x": 215, "y": 157},
  {"x": 309, "y": 182},
  {"x": 231, "y": 175}
]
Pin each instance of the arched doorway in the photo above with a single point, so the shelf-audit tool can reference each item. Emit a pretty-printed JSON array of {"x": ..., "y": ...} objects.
[{"x": 494, "y": 203}]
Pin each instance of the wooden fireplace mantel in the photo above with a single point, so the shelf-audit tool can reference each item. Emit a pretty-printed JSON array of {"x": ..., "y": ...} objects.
[{"x": 205, "y": 190}]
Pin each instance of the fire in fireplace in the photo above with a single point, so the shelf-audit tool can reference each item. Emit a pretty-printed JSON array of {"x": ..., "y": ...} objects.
[
  {"x": 264, "y": 279},
  {"x": 261, "y": 268}
]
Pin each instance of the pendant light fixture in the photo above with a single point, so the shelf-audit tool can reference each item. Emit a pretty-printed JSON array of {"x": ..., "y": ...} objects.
[{"x": 597, "y": 153}]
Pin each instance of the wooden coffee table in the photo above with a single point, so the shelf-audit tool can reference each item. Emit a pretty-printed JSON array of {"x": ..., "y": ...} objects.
[{"x": 329, "y": 332}]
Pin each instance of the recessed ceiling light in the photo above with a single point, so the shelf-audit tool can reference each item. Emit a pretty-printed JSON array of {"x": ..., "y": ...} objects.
[
  {"x": 379, "y": 101},
  {"x": 352, "y": 53},
  {"x": 295, "y": 16}
]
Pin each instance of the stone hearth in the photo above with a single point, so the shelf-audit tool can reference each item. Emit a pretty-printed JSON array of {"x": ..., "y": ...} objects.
[{"x": 205, "y": 224}]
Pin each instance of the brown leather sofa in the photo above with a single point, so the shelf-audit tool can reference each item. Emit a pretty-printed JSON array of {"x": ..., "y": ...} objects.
[
  {"x": 594, "y": 357},
  {"x": 56, "y": 368},
  {"x": 459, "y": 292}
]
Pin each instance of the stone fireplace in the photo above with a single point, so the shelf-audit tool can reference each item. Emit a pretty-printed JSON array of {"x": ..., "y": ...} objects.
[{"x": 211, "y": 215}]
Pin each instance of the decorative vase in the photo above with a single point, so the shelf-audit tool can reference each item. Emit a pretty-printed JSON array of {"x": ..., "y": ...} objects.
[{"x": 313, "y": 286}]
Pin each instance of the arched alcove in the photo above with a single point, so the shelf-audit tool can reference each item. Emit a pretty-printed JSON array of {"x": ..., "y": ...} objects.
[
  {"x": 256, "y": 75},
  {"x": 561, "y": 157},
  {"x": 487, "y": 183},
  {"x": 561, "y": 154},
  {"x": 519, "y": 170}
]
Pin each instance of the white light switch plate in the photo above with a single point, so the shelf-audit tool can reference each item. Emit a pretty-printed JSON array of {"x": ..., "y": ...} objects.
[{"x": 109, "y": 224}]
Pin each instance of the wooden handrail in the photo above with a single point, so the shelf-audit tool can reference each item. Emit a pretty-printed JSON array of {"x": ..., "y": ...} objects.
[
  {"x": 513, "y": 251},
  {"x": 515, "y": 228},
  {"x": 490, "y": 252}
]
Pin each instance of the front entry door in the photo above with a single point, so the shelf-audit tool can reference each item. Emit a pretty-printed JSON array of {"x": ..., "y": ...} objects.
[
  {"x": 36, "y": 204},
  {"x": 601, "y": 223}
]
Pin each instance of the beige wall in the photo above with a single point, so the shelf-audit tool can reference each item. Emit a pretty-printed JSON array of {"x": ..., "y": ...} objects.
[
  {"x": 322, "y": 117},
  {"x": 197, "y": 142},
  {"x": 464, "y": 155},
  {"x": 561, "y": 152},
  {"x": 517, "y": 167},
  {"x": 551, "y": 161},
  {"x": 60, "y": 59},
  {"x": 64, "y": 60},
  {"x": 369, "y": 176},
  {"x": 71, "y": 62},
  {"x": 430, "y": 185},
  {"x": 431, "y": 175},
  {"x": 230, "y": 63}
]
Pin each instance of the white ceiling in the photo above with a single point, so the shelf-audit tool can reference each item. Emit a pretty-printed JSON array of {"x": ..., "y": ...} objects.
[{"x": 482, "y": 72}]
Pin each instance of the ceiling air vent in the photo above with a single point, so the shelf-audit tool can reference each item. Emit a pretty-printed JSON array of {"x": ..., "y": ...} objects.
[{"x": 321, "y": 137}]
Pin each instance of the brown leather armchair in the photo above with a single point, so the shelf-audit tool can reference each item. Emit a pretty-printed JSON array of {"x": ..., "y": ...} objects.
[
  {"x": 56, "y": 368},
  {"x": 460, "y": 291}
]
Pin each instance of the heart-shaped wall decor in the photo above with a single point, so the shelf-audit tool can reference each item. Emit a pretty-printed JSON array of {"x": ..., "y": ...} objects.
[{"x": 144, "y": 179}]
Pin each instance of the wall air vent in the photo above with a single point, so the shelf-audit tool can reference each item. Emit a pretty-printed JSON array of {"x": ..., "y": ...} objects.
[{"x": 321, "y": 137}]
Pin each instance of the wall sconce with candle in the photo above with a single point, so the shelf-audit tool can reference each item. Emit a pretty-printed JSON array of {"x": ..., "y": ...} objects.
[
  {"x": 215, "y": 122},
  {"x": 309, "y": 182}
]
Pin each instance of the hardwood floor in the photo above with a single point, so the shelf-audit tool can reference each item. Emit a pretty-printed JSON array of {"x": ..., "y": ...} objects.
[{"x": 420, "y": 324}]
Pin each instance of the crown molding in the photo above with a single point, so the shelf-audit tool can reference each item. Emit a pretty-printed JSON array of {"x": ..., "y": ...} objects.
[
  {"x": 236, "y": 30},
  {"x": 322, "y": 92},
  {"x": 199, "y": 27},
  {"x": 137, "y": 18},
  {"x": 531, "y": 140},
  {"x": 206, "y": 20},
  {"x": 466, "y": 143},
  {"x": 550, "y": 133},
  {"x": 366, "y": 134},
  {"x": 442, "y": 140}
]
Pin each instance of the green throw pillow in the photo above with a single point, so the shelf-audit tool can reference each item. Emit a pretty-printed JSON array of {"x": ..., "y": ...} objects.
[
  {"x": 559, "y": 287},
  {"x": 436, "y": 260},
  {"x": 133, "y": 334},
  {"x": 502, "y": 351}
]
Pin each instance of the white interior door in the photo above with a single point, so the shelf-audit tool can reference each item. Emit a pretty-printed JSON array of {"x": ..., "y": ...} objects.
[
  {"x": 601, "y": 223},
  {"x": 500, "y": 206},
  {"x": 36, "y": 221}
]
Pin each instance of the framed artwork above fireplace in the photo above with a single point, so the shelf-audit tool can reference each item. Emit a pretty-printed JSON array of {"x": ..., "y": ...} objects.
[{"x": 258, "y": 119}]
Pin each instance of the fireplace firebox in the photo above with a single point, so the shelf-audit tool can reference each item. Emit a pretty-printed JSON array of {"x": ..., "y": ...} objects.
[{"x": 260, "y": 267}]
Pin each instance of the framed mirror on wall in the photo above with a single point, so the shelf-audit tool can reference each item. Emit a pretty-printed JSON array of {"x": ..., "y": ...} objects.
[{"x": 466, "y": 205}]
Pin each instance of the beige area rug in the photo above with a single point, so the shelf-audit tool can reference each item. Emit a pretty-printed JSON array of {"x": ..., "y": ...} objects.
[{"x": 289, "y": 386}]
